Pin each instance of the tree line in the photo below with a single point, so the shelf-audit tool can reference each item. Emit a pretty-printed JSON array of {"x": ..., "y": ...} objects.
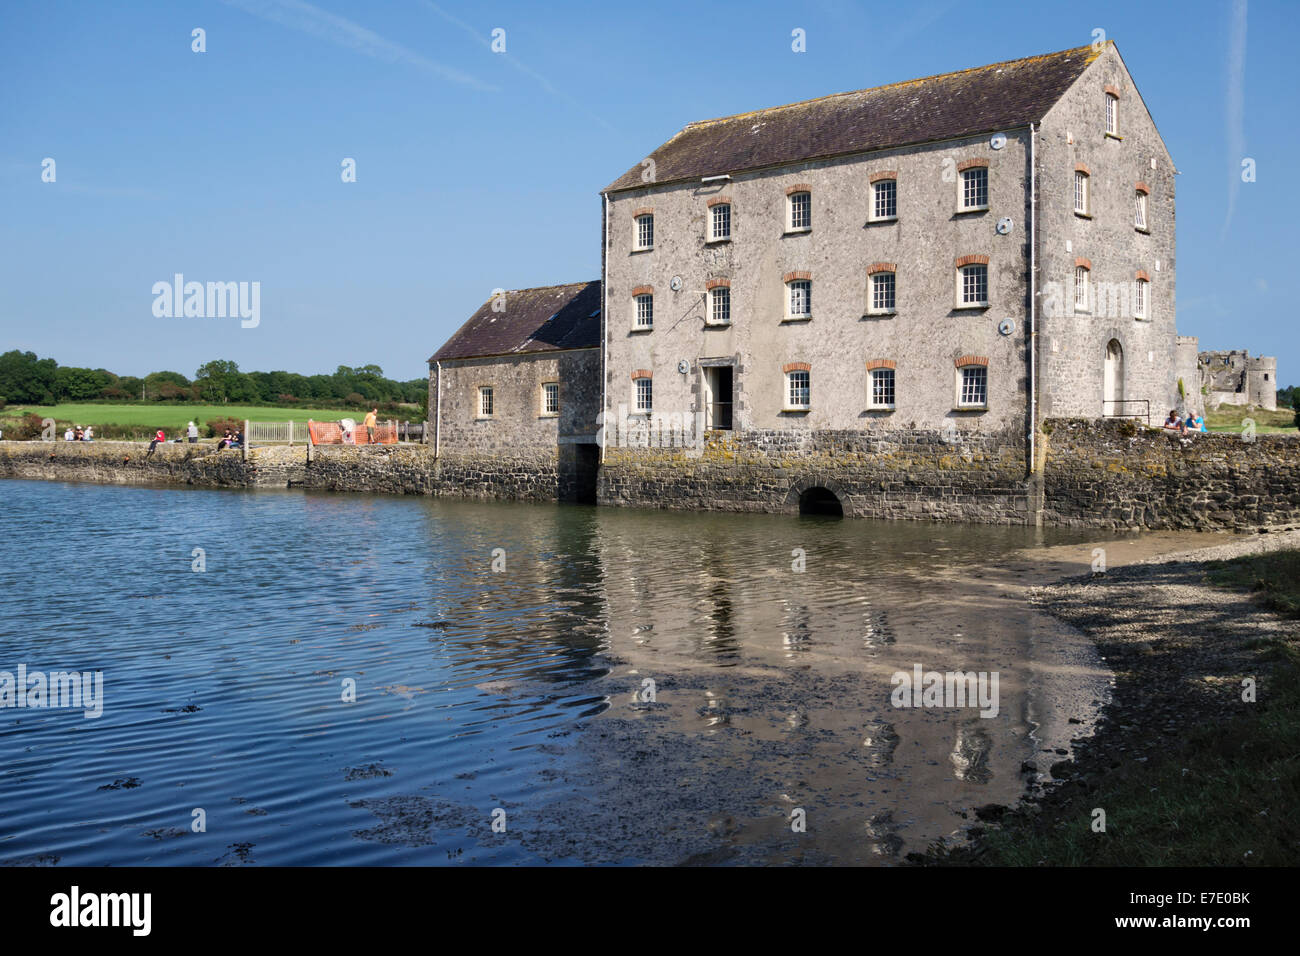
[{"x": 28, "y": 380}]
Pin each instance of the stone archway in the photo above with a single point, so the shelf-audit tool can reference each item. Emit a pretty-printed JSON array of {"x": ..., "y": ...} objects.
[
  {"x": 1112, "y": 379},
  {"x": 818, "y": 496}
]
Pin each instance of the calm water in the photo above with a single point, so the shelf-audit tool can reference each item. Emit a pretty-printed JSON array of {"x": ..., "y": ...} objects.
[{"x": 519, "y": 690}]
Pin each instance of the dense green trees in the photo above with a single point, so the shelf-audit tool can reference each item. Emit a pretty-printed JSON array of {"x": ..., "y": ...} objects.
[{"x": 28, "y": 380}]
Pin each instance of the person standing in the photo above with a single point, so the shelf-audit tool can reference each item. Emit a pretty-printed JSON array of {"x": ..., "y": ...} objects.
[
  {"x": 192, "y": 431},
  {"x": 370, "y": 425}
]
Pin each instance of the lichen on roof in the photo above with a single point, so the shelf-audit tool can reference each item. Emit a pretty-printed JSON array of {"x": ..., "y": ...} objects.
[{"x": 997, "y": 96}]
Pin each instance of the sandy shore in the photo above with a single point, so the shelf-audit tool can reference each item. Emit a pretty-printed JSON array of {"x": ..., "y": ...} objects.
[{"x": 1179, "y": 648}]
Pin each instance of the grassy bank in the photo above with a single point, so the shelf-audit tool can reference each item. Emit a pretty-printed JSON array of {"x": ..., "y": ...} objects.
[
  {"x": 1229, "y": 419},
  {"x": 1221, "y": 790},
  {"x": 141, "y": 420}
]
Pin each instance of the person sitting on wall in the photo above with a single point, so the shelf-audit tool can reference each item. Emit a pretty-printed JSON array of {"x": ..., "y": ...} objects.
[
  {"x": 68, "y": 435},
  {"x": 90, "y": 433},
  {"x": 1199, "y": 423},
  {"x": 1173, "y": 422},
  {"x": 225, "y": 440},
  {"x": 238, "y": 440},
  {"x": 159, "y": 438}
]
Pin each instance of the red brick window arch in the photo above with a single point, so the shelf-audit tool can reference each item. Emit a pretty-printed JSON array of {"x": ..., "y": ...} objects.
[
  {"x": 881, "y": 384},
  {"x": 1082, "y": 284},
  {"x": 798, "y": 386}
]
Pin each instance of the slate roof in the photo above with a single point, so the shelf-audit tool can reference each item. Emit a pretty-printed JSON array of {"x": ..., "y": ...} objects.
[
  {"x": 546, "y": 319},
  {"x": 984, "y": 99}
]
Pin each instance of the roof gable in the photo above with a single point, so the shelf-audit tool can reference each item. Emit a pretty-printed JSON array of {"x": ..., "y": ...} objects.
[
  {"x": 546, "y": 319},
  {"x": 986, "y": 98}
]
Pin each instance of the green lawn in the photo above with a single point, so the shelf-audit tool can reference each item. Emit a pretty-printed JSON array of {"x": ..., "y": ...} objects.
[
  {"x": 1229, "y": 418},
  {"x": 172, "y": 418}
]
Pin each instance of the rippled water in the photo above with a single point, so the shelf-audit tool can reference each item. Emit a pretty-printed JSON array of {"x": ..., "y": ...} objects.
[{"x": 520, "y": 690}]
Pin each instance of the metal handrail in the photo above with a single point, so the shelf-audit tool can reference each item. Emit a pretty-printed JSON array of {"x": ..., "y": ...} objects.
[{"x": 1145, "y": 413}]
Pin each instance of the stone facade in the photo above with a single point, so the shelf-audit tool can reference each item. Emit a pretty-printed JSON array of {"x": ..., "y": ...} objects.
[
  {"x": 1074, "y": 341},
  {"x": 1187, "y": 368},
  {"x": 1234, "y": 378}
]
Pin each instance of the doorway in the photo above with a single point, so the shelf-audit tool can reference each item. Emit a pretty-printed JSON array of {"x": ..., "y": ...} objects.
[
  {"x": 1112, "y": 380},
  {"x": 718, "y": 401}
]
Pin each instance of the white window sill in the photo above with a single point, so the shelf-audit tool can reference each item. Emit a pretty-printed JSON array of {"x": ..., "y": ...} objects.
[
  {"x": 880, "y": 408},
  {"x": 1080, "y": 311},
  {"x": 966, "y": 209},
  {"x": 1083, "y": 215},
  {"x": 717, "y": 325},
  {"x": 797, "y": 318},
  {"x": 1142, "y": 229},
  {"x": 797, "y": 408},
  {"x": 798, "y": 232},
  {"x": 880, "y": 313},
  {"x": 971, "y": 305},
  {"x": 970, "y": 408},
  {"x": 484, "y": 418},
  {"x": 873, "y": 219},
  {"x": 1115, "y": 136},
  {"x": 642, "y": 328},
  {"x": 717, "y": 241},
  {"x": 549, "y": 415},
  {"x": 637, "y": 249}
]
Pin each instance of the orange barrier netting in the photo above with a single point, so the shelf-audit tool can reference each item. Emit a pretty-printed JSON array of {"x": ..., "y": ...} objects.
[{"x": 331, "y": 433}]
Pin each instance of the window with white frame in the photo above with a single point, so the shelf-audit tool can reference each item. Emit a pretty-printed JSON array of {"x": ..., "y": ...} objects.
[
  {"x": 974, "y": 188},
  {"x": 1081, "y": 192},
  {"x": 1112, "y": 114},
  {"x": 974, "y": 285},
  {"x": 800, "y": 211},
  {"x": 800, "y": 299},
  {"x": 880, "y": 389},
  {"x": 882, "y": 293},
  {"x": 973, "y": 386},
  {"x": 720, "y": 305},
  {"x": 720, "y": 221},
  {"x": 798, "y": 392},
  {"x": 1140, "y": 210},
  {"x": 644, "y": 310},
  {"x": 485, "y": 401},
  {"x": 1081, "y": 281},
  {"x": 1141, "y": 299},
  {"x": 644, "y": 389},
  {"x": 645, "y": 231},
  {"x": 550, "y": 398},
  {"x": 884, "y": 199}
]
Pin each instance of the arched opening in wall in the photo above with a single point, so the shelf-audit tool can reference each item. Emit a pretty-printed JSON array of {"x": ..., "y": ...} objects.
[
  {"x": 820, "y": 501},
  {"x": 1112, "y": 380}
]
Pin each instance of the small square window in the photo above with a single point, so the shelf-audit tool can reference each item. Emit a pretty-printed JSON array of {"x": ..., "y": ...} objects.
[
  {"x": 645, "y": 311},
  {"x": 720, "y": 222},
  {"x": 720, "y": 306},
  {"x": 485, "y": 401},
  {"x": 973, "y": 387},
  {"x": 881, "y": 388},
  {"x": 882, "y": 293},
  {"x": 884, "y": 200},
  {"x": 974, "y": 189},
  {"x": 798, "y": 389},
  {"x": 550, "y": 398},
  {"x": 644, "y": 394},
  {"x": 800, "y": 217},
  {"x": 800, "y": 299},
  {"x": 645, "y": 231}
]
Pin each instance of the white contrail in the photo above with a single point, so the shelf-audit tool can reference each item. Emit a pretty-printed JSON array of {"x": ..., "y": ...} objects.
[
  {"x": 1234, "y": 113},
  {"x": 542, "y": 81},
  {"x": 303, "y": 17}
]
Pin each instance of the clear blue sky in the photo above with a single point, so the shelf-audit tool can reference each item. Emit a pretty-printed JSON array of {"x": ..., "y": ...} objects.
[{"x": 477, "y": 169}]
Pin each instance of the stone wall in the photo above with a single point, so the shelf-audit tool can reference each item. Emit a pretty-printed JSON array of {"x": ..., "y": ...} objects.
[
  {"x": 1115, "y": 477},
  {"x": 1092, "y": 474},
  {"x": 954, "y": 476}
]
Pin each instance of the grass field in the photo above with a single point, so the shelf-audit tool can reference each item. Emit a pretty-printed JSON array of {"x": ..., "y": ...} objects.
[
  {"x": 172, "y": 418},
  {"x": 1229, "y": 418}
]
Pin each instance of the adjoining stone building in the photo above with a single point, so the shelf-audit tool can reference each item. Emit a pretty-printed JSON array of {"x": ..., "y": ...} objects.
[{"x": 514, "y": 395}]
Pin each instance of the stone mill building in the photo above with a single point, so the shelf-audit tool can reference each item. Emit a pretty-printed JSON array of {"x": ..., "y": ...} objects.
[{"x": 867, "y": 301}]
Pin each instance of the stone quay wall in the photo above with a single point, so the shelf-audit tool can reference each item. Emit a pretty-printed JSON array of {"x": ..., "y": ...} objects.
[{"x": 1111, "y": 475}]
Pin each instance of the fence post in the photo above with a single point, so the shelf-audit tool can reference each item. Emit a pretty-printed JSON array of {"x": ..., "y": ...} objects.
[
  {"x": 291, "y": 433},
  {"x": 243, "y": 446}
]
